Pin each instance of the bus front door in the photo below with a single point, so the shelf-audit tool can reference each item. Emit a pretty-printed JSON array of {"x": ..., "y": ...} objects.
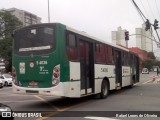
[
  {"x": 118, "y": 69},
  {"x": 86, "y": 65}
]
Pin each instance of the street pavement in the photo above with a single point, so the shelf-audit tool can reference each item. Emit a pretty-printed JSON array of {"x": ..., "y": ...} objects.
[{"x": 144, "y": 96}]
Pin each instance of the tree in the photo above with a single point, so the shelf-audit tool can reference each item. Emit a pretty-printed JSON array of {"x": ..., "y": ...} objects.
[
  {"x": 147, "y": 64},
  {"x": 8, "y": 23},
  {"x": 151, "y": 55}
]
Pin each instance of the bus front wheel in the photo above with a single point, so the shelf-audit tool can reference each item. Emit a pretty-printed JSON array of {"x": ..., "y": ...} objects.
[{"x": 104, "y": 89}]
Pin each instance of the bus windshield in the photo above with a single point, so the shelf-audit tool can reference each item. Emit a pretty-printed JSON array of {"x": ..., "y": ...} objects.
[{"x": 32, "y": 39}]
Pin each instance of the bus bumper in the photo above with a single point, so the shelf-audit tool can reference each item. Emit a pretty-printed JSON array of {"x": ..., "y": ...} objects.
[{"x": 52, "y": 91}]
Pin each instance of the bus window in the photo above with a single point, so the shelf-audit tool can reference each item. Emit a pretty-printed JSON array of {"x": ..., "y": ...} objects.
[
  {"x": 99, "y": 51},
  {"x": 72, "y": 47},
  {"x": 34, "y": 40},
  {"x": 72, "y": 40},
  {"x": 125, "y": 59},
  {"x": 109, "y": 55}
]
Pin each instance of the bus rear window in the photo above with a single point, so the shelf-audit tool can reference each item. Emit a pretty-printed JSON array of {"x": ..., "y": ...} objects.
[{"x": 34, "y": 39}]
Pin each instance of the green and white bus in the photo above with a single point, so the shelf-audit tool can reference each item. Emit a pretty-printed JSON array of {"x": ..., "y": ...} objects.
[{"x": 54, "y": 59}]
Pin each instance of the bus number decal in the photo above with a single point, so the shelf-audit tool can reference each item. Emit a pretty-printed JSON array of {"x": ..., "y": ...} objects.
[
  {"x": 125, "y": 70},
  {"x": 42, "y": 69},
  {"x": 104, "y": 69},
  {"x": 41, "y": 62}
]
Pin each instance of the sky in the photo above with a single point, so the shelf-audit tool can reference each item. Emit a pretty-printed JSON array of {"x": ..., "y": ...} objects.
[{"x": 95, "y": 17}]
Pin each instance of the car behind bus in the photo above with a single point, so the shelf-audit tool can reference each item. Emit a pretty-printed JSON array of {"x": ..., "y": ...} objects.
[{"x": 145, "y": 71}]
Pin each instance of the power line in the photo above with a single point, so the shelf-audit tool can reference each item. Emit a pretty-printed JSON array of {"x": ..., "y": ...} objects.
[
  {"x": 143, "y": 16},
  {"x": 144, "y": 9},
  {"x": 151, "y": 31},
  {"x": 139, "y": 11}
]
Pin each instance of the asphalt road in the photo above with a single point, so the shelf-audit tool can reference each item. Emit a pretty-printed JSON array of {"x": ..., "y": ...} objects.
[{"x": 144, "y": 96}]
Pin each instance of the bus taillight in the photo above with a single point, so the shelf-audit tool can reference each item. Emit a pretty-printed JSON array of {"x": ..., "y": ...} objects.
[
  {"x": 13, "y": 75},
  {"x": 13, "y": 72},
  {"x": 56, "y": 75},
  {"x": 56, "y": 69}
]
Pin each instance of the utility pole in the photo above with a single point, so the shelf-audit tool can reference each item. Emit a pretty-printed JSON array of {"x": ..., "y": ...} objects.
[
  {"x": 48, "y": 13},
  {"x": 158, "y": 43}
]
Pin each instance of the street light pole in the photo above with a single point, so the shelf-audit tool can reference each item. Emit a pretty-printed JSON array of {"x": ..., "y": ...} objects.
[
  {"x": 145, "y": 36},
  {"x": 48, "y": 13},
  {"x": 158, "y": 43}
]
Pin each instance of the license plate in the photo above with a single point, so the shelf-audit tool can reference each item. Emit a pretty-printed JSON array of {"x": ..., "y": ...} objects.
[{"x": 31, "y": 91}]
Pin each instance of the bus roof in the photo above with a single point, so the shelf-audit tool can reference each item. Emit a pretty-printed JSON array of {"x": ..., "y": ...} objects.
[
  {"x": 86, "y": 35},
  {"x": 83, "y": 34}
]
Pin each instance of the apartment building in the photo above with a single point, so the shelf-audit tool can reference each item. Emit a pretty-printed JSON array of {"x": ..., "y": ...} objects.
[
  {"x": 143, "y": 39},
  {"x": 25, "y": 17}
]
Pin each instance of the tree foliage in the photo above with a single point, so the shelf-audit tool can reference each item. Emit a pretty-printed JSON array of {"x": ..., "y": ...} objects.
[
  {"x": 147, "y": 64},
  {"x": 151, "y": 55},
  {"x": 150, "y": 63},
  {"x": 8, "y": 23}
]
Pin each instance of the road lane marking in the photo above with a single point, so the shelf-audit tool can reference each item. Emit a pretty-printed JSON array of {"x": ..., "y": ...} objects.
[
  {"x": 62, "y": 110},
  {"x": 100, "y": 118},
  {"x": 53, "y": 106},
  {"x": 147, "y": 82},
  {"x": 151, "y": 81}
]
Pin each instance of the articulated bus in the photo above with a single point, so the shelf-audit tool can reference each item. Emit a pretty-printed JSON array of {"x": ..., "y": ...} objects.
[{"x": 56, "y": 60}]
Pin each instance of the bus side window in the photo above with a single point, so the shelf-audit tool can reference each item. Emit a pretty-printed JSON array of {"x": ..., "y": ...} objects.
[
  {"x": 72, "y": 47},
  {"x": 99, "y": 51},
  {"x": 109, "y": 55},
  {"x": 112, "y": 57},
  {"x": 125, "y": 58},
  {"x": 130, "y": 59}
]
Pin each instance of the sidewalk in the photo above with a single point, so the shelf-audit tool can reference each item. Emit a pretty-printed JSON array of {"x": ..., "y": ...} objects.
[{"x": 153, "y": 79}]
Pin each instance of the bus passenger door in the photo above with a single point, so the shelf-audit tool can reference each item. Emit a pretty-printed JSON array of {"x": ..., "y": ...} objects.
[
  {"x": 118, "y": 69},
  {"x": 86, "y": 65}
]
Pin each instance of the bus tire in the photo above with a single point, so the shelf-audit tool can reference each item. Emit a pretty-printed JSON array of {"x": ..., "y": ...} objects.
[{"x": 104, "y": 89}]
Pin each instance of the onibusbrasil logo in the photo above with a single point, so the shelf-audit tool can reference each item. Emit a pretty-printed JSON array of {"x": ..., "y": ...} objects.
[{"x": 6, "y": 112}]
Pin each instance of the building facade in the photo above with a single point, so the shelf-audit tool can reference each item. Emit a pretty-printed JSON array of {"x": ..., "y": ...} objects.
[
  {"x": 118, "y": 37},
  {"x": 143, "y": 39},
  {"x": 25, "y": 17}
]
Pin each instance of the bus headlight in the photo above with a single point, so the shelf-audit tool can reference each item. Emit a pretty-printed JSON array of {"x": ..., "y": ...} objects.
[{"x": 56, "y": 75}]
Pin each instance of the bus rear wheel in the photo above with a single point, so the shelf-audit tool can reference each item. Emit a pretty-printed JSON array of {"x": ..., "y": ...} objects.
[{"x": 104, "y": 89}]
